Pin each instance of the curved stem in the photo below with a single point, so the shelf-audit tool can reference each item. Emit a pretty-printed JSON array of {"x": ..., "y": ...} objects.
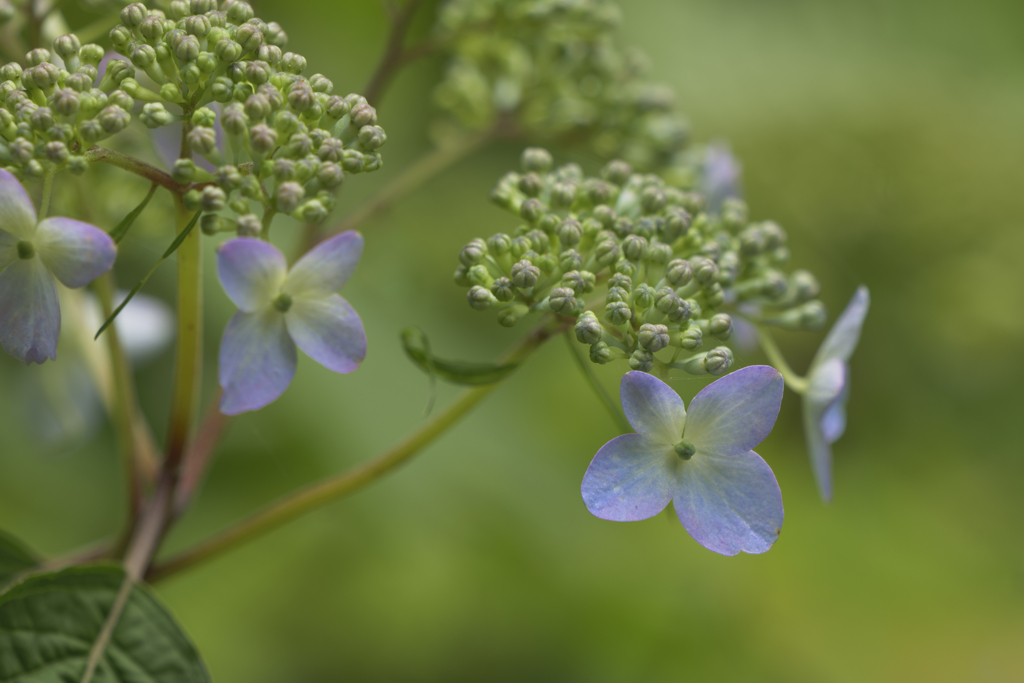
[
  {"x": 44, "y": 203},
  {"x": 771, "y": 349},
  {"x": 133, "y": 165},
  {"x": 316, "y": 495},
  {"x": 595, "y": 384},
  {"x": 395, "y": 55}
]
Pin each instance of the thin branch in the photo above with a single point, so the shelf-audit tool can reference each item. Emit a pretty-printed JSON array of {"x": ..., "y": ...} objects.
[
  {"x": 141, "y": 168},
  {"x": 316, "y": 495},
  {"x": 394, "y": 56},
  {"x": 197, "y": 458}
]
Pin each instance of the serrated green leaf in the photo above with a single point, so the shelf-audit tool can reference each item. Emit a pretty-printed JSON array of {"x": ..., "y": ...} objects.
[
  {"x": 15, "y": 558},
  {"x": 135, "y": 290},
  {"x": 121, "y": 229},
  {"x": 49, "y": 622},
  {"x": 458, "y": 372}
]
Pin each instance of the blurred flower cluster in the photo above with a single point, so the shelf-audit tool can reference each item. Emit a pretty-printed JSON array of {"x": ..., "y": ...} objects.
[
  {"x": 272, "y": 134},
  {"x": 648, "y": 273}
]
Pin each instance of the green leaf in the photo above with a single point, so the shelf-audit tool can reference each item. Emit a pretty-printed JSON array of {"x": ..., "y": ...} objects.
[
  {"x": 135, "y": 290},
  {"x": 457, "y": 372},
  {"x": 15, "y": 558},
  {"x": 121, "y": 229},
  {"x": 49, "y": 622}
]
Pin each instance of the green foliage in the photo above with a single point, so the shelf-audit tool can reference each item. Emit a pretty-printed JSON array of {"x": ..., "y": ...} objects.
[
  {"x": 49, "y": 622},
  {"x": 15, "y": 558},
  {"x": 416, "y": 345},
  {"x": 121, "y": 229}
]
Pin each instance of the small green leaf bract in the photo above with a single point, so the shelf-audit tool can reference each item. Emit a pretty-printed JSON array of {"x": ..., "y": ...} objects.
[
  {"x": 457, "y": 372},
  {"x": 135, "y": 290},
  {"x": 121, "y": 229},
  {"x": 49, "y": 622},
  {"x": 15, "y": 558}
]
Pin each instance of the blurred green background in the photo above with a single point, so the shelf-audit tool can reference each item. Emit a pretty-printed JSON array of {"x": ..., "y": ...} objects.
[{"x": 887, "y": 138}]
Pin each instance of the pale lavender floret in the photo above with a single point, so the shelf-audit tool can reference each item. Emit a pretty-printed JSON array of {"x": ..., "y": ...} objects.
[
  {"x": 828, "y": 389},
  {"x": 282, "y": 310},
  {"x": 720, "y": 175},
  {"x": 725, "y": 495},
  {"x": 31, "y": 255}
]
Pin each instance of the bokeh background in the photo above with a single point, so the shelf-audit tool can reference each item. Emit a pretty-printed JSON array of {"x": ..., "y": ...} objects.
[{"x": 886, "y": 138}]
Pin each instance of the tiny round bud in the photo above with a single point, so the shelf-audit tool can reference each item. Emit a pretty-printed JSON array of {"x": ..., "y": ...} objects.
[
  {"x": 480, "y": 299},
  {"x": 330, "y": 175},
  {"x": 372, "y": 137},
  {"x": 705, "y": 270},
  {"x": 684, "y": 449},
  {"x": 202, "y": 140},
  {"x": 508, "y": 317},
  {"x": 652, "y": 200},
  {"x": 312, "y": 211},
  {"x": 289, "y": 195},
  {"x": 525, "y": 274},
  {"x": 66, "y": 102},
  {"x": 588, "y": 328},
  {"x": 563, "y": 194},
  {"x": 473, "y": 252},
  {"x": 120, "y": 98},
  {"x": 530, "y": 184},
  {"x": 263, "y": 139},
  {"x": 653, "y": 337},
  {"x": 239, "y": 12},
  {"x": 536, "y": 159},
  {"x": 531, "y": 210},
  {"x": 249, "y": 37},
  {"x": 617, "y": 172},
  {"x": 601, "y": 353},
  {"x": 43, "y": 76},
  {"x": 569, "y": 232},
  {"x": 634, "y": 247},
  {"x": 805, "y": 286},
  {"x": 213, "y": 198},
  {"x": 249, "y": 225},
  {"x": 618, "y": 313},
  {"x": 275, "y": 35},
  {"x": 562, "y": 300},
  {"x": 296, "y": 64},
  {"x": 67, "y": 45},
  {"x": 499, "y": 244},
  {"x": 114, "y": 119},
  {"x": 720, "y": 325},
  {"x": 502, "y": 289},
  {"x": 570, "y": 259},
  {"x": 718, "y": 361},
  {"x": 133, "y": 14},
  {"x": 642, "y": 360},
  {"x": 170, "y": 92},
  {"x": 679, "y": 272},
  {"x": 681, "y": 312},
  {"x": 56, "y": 151},
  {"x": 183, "y": 170},
  {"x": 197, "y": 25},
  {"x": 643, "y": 297},
  {"x": 352, "y": 161}
]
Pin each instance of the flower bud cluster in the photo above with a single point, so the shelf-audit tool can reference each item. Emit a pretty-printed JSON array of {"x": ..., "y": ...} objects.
[
  {"x": 554, "y": 69},
  {"x": 223, "y": 73},
  {"x": 647, "y": 273}
]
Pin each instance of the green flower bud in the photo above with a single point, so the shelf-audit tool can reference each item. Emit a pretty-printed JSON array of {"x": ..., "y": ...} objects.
[
  {"x": 643, "y": 297},
  {"x": 78, "y": 83},
  {"x": 202, "y": 140},
  {"x": 249, "y": 225},
  {"x": 228, "y": 178},
  {"x": 634, "y": 247},
  {"x": 170, "y": 92},
  {"x": 258, "y": 72},
  {"x": 562, "y": 300},
  {"x": 691, "y": 339},
  {"x": 623, "y": 226},
  {"x": 705, "y": 270},
  {"x": 605, "y": 215},
  {"x": 681, "y": 312},
  {"x": 502, "y": 290},
  {"x": 249, "y": 37},
  {"x": 569, "y": 232},
  {"x": 183, "y": 171},
  {"x": 530, "y": 184},
  {"x": 301, "y": 97},
  {"x": 601, "y": 353},
  {"x": 77, "y": 164},
  {"x": 7, "y": 11},
  {"x": 372, "y": 137},
  {"x": 352, "y": 161},
  {"x": 642, "y": 360},
  {"x": 275, "y": 35},
  {"x": 42, "y": 118},
  {"x": 531, "y": 210},
  {"x": 89, "y": 130},
  {"x": 563, "y": 194},
  {"x": 499, "y": 244},
  {"x": 330, "y": 175},
  {"x": 570, "y": 259},
  {"x": 588, "y": 328},
  {"x": 91, "y": 54},
  {"x": 312, "y": 211},
  {"x": 296, "y": 64},
  {"x": 606, "y": 253},
  {"x": 577, "y": 282},
  {"x": 652, "y": 200},
  {"x": 67, "y": 46},
  {"x": 120, "y": 37},
  {"x": 192, "y": 199},
  {"x": 653, "y": 337},
  {"x": 718, "y": 361},
  {"x": 152, "y": 29},
  {"x": 536, "y": 159},
  {"x": 728, "y": 268},
  {"x": 212, "y": 198},
  {"x": 525, "y": 274},
  {"x": 190, "y": 74},
  {"x": 666, "y": 299},
  {"x": 617, "y": 294},
  {"x": 114, "y": 119},
  {"x": 618, "y": 313},
  {"x": 179, "y": 9},
  {"x": 119, "y": 98},
  {"x": 65, "y": 102},
  {"x": 480, "y": 299},
  {"x": 288, "y": 196},
  {"x": 617, "y": 172},
  {"x": 284, "y": 169},
  {"x": 133, "y": 14},
  {"x": 734, "y": 213},
  {"x": 239, "y": 12},
  {"x": 199, "y": 25},
  {"x": 720, "y": 326},
  {"x": 56, "y": 151},
  {"x": 43, "y": 76},
  {"x": 598, "y": 191},
  {"x": 10, "y": 71},
  {"x": 321, "y": 83},
  {"x": 461, "y": 276},
  {"x": 676, "y": 224},
  {"x": 508, "y": 317},
  {"x": 473, "y": 252},
  {"x": 804, "y": 285},
  {"x": 263, "y": 139},
  {"x": 143, "y": 56}
]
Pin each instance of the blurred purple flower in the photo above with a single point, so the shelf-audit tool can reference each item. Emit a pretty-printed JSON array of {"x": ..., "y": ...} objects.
[
  {"x": 33, "y": 253},
  {"x": 725, "y": 495},
  {"x": 720, "y": 175},
  {"x": 282, "y": 309},
  {"x": 828, "y": 388}
]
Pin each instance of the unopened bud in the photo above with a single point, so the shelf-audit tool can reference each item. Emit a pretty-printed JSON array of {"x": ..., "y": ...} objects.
[
  {"x": 641, "y": 360},
  {"x": 618, "y": 312},
  {"x": 288, "y": 195},
  {"x": 480, "y": 299},
  {"x": 601, "y": 353},
  {"x": 588, "y": 328},
  {"x": 617, "y": 172},
  {"x": 720, "y": 326},
  {"x": 653, "y": 337},
  {"x": 536, "y": 159}
]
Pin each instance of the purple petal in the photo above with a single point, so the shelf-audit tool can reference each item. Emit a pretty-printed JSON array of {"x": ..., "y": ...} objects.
[
  {"x": 326, "y": 267},
  {"x": 652, "y": 408},
  {"x": 732, "y": 415},
  {"x": 826, "y": 393},
  {"x": 251, "y": 272},
  {"x": 730, "y": 504},
  {"x": 8, "y": 249},
  {"x": 75, "y": 252},
  {"x": 257, "y": 361},
  {"x": 17, "y": 214},
  {"x": 29, "y": 311},
  {"x": 630, "y": 478},
  {"x": 842, "y": 339},
  {"x": 329, "y": 331}
]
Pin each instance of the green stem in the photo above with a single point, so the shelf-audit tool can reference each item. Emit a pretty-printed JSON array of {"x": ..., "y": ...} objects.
[
  {"x": 422, "y": 170},
  {"x": 775, "y": 357},
  {"x": 188, "y": 364},
  {"x": 44, "y": 203},
  {"x": 316, "y": 495},
  {"x": 596, "y": 385},
  {"x": 133, "y": 165}
]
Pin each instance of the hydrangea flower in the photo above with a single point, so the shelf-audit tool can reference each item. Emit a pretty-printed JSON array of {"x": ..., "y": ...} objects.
[
  {"x": 281, "y": 309},
  {"x": 725, "y": 495},
  {"x": 828, "y": 388},
  {"x": 32, "y": 253}
]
